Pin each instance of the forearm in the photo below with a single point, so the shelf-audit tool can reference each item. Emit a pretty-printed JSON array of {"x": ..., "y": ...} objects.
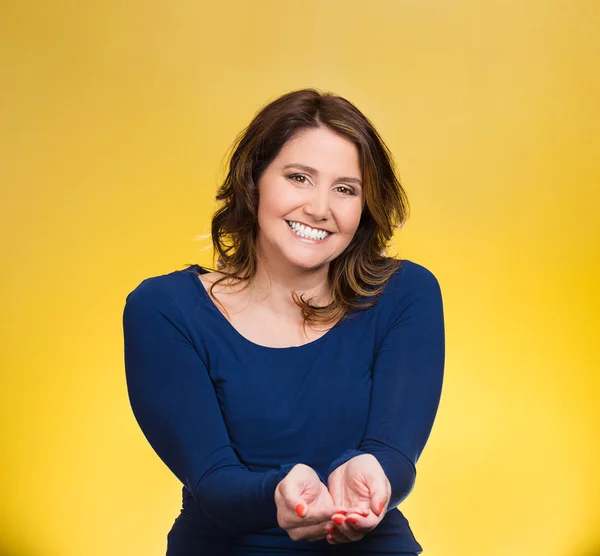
[
  {"x": 399, "y": 470},
  {"x": 406, "y": 384},
  {"x": 175, "y": 404},
  {"x": 240, "y": 500}
]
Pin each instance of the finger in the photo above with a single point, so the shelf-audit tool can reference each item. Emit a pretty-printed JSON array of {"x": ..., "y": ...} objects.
[
  {"x": 346, "y": 530},
  {"x": 308, "y": 532},
  {"x": 379, "y": 498},
  {"x": 292, "y": 498},
  {"x": 307, "y": 510},
  {"x": 321, "y": 514},
  {"x": 364, "y": 510},
  {"x": 334, "y": 536},
  {"x": 300, "y": 509},
  {"x": 292, "y": 513},
  {"x": 363, "y": 524},
  {"x": 379, "y": 506},
  {"x": 300, "y": 488},
  {"x": 297, "y": 507}
]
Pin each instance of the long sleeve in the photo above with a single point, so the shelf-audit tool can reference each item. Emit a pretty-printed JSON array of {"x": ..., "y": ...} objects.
[
  {"x": 407, "y": 380},
  {"x": 175, "y": 404}
]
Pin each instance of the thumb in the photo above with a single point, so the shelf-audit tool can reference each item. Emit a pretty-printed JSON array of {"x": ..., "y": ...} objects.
[
  {"x": 379, "y": 498},
  {"x": 300, "y": 508},
  {"x": 294, "y": 499},
  {"x": 299, "y": 491}
]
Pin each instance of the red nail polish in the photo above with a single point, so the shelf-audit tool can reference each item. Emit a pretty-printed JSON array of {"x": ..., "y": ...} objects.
[
  {"x": 338, "y": 520},
  {"x": 299, "y": 509},
  {"x": 381, "y": 504},
  {"x": 352, "y": 520}
]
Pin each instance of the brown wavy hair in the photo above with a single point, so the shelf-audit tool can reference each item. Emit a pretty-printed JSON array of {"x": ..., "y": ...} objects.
[{"x": 359, "y": 274}]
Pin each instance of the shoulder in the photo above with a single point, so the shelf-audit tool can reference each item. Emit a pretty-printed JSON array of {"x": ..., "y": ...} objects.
[
  {"x": 412, "y": 276},
  {"x": 411, "y": 299},
  {"x": 411, "y": 287},
  {"x": 165, "y": 290}
]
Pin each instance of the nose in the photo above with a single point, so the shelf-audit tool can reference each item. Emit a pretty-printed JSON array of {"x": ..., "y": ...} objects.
[{"x": 317, "y": 205}]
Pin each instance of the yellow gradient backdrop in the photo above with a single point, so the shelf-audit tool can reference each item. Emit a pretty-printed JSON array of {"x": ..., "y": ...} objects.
[{"x": 114, "y": 119}]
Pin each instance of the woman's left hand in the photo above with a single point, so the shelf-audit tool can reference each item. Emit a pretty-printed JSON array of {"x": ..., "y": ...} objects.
[{"x": 358, "y": 483}]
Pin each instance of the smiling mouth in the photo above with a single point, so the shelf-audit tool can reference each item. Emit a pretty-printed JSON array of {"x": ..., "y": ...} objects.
[{"x": 307, "y": 232}]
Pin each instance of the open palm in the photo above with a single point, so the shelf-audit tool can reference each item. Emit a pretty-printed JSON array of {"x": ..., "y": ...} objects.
[
  {"x": 304, "y": 504},
  {"x": 358, "y": 483}
]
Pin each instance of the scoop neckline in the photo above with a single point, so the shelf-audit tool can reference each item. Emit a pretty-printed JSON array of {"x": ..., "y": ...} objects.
[{"x": 196, "y": 277}]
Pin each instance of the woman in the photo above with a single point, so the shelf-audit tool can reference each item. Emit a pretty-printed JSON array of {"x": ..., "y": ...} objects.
[{"x": 293, "y": 390}]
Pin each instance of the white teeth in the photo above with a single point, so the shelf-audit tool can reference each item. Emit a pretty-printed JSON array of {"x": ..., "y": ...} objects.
[{"x": 306, "y": 232}]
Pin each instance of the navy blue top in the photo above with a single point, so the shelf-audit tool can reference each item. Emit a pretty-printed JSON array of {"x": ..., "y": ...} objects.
[{"x": 230, "y": 418}]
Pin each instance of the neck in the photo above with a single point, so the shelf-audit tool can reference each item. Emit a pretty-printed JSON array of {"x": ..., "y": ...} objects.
[{"x": 274, "y": 283}]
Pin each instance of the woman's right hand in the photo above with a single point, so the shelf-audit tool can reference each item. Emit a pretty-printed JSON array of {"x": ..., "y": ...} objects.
[{"x": 304, "y": 505}]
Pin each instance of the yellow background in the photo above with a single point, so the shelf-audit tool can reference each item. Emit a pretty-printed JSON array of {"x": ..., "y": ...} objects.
[{"x": 115, "y": 116}]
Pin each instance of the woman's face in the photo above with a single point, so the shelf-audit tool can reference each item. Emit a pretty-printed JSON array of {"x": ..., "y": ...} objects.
[{"x": 310, "y": 200}]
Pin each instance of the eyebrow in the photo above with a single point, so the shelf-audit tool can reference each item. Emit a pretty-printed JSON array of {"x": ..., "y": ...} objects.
[{"x": 316, "y": 172}]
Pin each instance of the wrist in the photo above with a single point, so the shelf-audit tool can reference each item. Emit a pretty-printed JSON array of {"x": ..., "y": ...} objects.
[{"x": 343, "y": 458}]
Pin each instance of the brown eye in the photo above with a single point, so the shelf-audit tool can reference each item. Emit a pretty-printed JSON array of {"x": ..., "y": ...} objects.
[
  {"x": 294, "y": 176},
  {"x": 345, "y": 190}
]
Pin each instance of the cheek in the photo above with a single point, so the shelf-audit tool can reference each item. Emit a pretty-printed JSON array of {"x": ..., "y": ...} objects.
[
  {"x": 276, "y": 201},
  {"x": 351, "y": 218},
  {"x": 268, "y": 207}
]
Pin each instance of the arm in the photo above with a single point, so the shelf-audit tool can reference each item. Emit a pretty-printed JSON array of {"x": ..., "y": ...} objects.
[
  {"x": 175, "y": 404},
  {"x": 406, "y": 382}
]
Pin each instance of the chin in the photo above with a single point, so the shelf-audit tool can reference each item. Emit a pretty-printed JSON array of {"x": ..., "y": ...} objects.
[
  {"x": 298, "y": 255},
  {"x": 307, "y": 262}
]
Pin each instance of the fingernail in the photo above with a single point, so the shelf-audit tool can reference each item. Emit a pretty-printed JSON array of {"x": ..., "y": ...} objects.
[
  {"x": 329, "y": 529},
  {"x": 299, "y": 509},
  {"x": 338, "y": 520},
  {"x": 381, "y": 505},
  {"x": 330, "y": 539},
  {"x": 344, "y": 512},
  {"x": 352, "y": 520}
]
